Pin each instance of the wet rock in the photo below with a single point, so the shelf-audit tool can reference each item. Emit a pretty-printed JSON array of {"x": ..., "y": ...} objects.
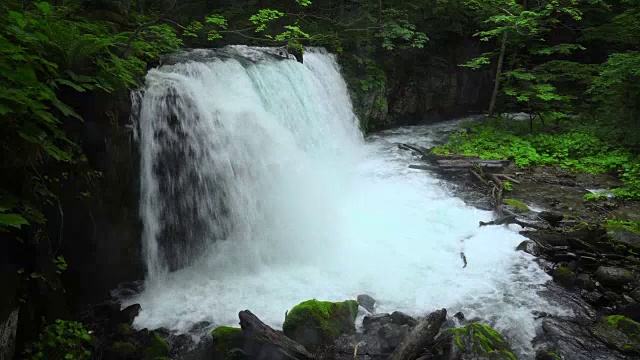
[
  {"x": 236, "y": 354},
  {"x": 584, "y": 281},
  {"x": 314, "y": 323},
  {"x": 626, "y": 237},
  {"x": 366, "y": 302},
  {"x": 613, "y": 276},
  {"x": 226, "y": 338},
  {"x": 370, "y": 346},
  {"x": 530, "y": 247},
  {"x": 553, "y": 218},
  {"x": 199, "y": 327},
  {"x": 547, "y": 237},
  {"x": 128, "y": 314},
  {"x": 571, "y": 339},
  {"x": 564, "y": 276},
  {"x": 400, "y": 318},
  {"x": 155, "y": 347},
  {"x": 632, "y": 311},
  {"x": 618, "y": 332},
  {"x": 123, "y": 350},
  {"x": 421, "y": 336},
  {"x": 392, "y": 335},
  {"x": 589, "y": 233},
  {"x": 476, "y": 341},
  {"x": 372, "y": 323},
  {"x": 635, "y": 294},
  {"x": 459, "y": 315}
]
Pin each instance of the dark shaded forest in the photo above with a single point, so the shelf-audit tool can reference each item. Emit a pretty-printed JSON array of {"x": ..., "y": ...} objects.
[{"x": 69, "y": 222}]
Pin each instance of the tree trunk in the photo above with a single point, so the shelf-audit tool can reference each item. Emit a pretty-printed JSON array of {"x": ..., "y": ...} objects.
[
  {"x": 264, "y": 343},
  {"x": 496, "y": 87},
  {"x": 420, "y": 337},
  {"x": 380, "y": 11}
]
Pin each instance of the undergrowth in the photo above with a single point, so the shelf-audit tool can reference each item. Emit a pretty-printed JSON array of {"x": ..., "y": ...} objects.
[{"x": 573, "y": 147}]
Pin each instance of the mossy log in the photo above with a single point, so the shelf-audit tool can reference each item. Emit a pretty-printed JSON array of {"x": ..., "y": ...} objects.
[{"x": 262, "y": 342}]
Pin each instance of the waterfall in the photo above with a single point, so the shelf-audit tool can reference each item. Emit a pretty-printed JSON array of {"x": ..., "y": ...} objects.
[
  {"x": 227, "y": 143},
  {"x": 259, "y": 192}
]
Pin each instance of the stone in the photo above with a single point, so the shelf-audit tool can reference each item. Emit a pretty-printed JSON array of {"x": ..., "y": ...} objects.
[
  {"x": 155, "y": 347},
  {"x": 123, "y": 350},
  {"x": 8, "y": 330},
  {"x": 367, "y": 302},
  {"x": 530, "y": 247},
  {"x": 564, "y": 276},
  {"x": 476, "y": 341},
  {"x": 392, "y": 335},
  {"x": 371, "y": 321},
  {"x": 128, "y": 314},
  {"x": 226, "y": 338},
  {"x": 584, "y": 281},
  {"x": 613, "y": 276},
  {"x": 635, "y": 294},
  {"x": 547, "y": 237},
  {"x": 631, "y": 311},
  {"x": 618, "y": 332},
  {"x": 400, "y": 318},
  {"x": 315, "y": 323},
  {"x": 459, "y": 315},
  {"x": 553, "y": 218},
  {"x": 626, "y": 237}
]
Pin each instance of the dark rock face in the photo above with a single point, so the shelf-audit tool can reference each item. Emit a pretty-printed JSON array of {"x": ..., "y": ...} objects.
[
  {"x": 400, "y": 318},
  {"x": 366, "y": 302},
  {"x": 613, "y": 277}
]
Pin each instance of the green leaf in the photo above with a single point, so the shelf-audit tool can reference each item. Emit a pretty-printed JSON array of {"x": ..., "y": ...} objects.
[
  {"x": 44, "y": 7},
  {"x": 75, "y": 86},
  {"x": 12, "y": 220}
]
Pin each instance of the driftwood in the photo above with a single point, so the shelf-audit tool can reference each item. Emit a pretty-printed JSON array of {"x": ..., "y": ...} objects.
[
  {"x": 511, "y": 219},
  {"x": 420, "y": 150},
  {"x": 507, "y": 177},
  {"x": 420, "y": 337},
  {"x": 262, "y": 342},
  {"x": 421, "y": 167},
  {"x": 468, "y": 164}
]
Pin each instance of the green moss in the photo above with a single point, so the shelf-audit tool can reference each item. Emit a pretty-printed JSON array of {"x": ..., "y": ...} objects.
[
  {"x": 517, "y": 204},
  {"x": 123, "y": 349},
  {"x": 482, "y": 340},
  {"x": 226, "y": 338},
  {"x": 155, "y": 347},
  {"x": 314, "y": 322},
  {"x": 564, "y": 276},
  {"x": 625, "y": 325},
  {"x": 614, "y": 225}
]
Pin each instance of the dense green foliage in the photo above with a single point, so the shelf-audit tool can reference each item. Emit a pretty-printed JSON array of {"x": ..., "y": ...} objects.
[
  {"x": 574, "y": 147},
  {"x": 62, "y": 340}
]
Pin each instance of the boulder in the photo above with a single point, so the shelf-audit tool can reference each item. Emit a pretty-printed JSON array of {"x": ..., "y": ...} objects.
[
  {"x": 476, "y": 341},
  {"x": 372, "y": 322},
  {"x": 392, "y": 335},
  {"x": 530, "y": 247},
  {"x": 613, "y": 276},
  {"x": 632, "y": 311},
  {"x": 314, "y": 323},
  {"x": 584, "y": 281},
  {"x": 261, "y": 342},
  {"x": 128, "y": 314},
  {"x": 123, "y": 350},
  {"x": 627, "y": 238},
  {"x": 618, "y": 332},
  {"x": 421, "y": 336},
  {"x": 366, "y": 302},
  {"x": 400, "y": 318},
  {"x": 553, "y": 218},
  {"x": 155, "y": 347},
  {"x": 225, "y": 338},
  {"x": 564, "y": 276}
]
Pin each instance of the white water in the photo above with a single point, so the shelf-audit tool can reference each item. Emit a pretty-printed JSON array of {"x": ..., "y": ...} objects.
[{"x": 311, "y": 210}]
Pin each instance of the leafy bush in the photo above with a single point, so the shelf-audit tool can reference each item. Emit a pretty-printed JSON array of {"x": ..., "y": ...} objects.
[
  {"x": 62, "y": 340},
  {"x": 578, "y": 149}
]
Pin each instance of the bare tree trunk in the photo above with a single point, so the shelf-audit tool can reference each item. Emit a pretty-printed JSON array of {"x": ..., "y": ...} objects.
[
  {"x": 496, "y": 86},
  {"x": 379, "y": 11}
]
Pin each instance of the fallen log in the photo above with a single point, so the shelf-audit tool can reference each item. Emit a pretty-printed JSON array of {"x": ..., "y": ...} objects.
[
  {"x": 464, "y": 163},
  {"x": 421, "y": 336},
  {"x": 420, "y": 150},
  {"x": 511, "y": 219},
  {"x": 264, "y": 343},
  {"x": 479, "y": 177},
  {"x": 507, "y": 177},
  {"x": 421, "y": 167}
]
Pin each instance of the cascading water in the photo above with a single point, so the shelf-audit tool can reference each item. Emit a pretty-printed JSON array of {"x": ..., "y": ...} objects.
[{"x": 258, "y": 192}]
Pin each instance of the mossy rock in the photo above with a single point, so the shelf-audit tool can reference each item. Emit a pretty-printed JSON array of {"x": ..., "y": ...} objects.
[
  {"x": 619, "y": 332},
  {"x": 314, "y": 323},
  {"x": 564, "y": 276},
  {"x": 123, "y": 350},
  {"x": 226, "y": 338},
  {"x": 479, "y": 341},
  {"x": 125, "y": 330},
  {"x": 156, "y": 347},
  {"x": 517, "y": 205}
]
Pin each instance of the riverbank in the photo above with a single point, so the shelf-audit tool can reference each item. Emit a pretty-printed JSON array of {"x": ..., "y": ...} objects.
[{"x": 587, "y": 242}]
